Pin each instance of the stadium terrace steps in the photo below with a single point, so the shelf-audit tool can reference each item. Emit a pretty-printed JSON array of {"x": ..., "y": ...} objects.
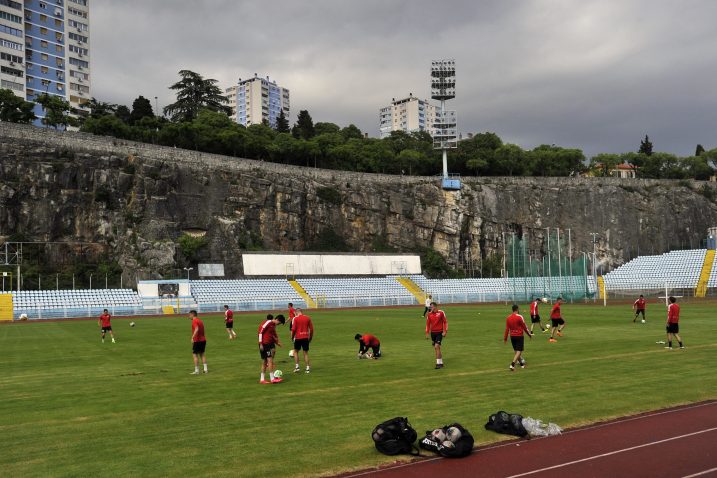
[
  {"x": 413, "y": 288},
  {"x": 674, "y": 269},
  {"x": 701, "y": 289},
  {"x": 5, "y": 306},
  {"x": 310, "y": 302}
]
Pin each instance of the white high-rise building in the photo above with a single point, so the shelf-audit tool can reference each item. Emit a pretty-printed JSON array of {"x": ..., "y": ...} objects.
[
  {"x": 257, "y": 99},
  {"x": 45, "y": 48},
  {"x": 408, "y": 114}
]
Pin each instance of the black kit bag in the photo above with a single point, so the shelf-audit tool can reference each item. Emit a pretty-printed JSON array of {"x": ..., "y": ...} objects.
[
  {"x": 395, "y": 437},
  {"x": 451, "y": 441},
  {"x": 507, "y": 423}
]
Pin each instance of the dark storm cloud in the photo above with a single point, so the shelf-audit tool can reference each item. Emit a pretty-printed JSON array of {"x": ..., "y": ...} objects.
[{"x": 596, "y": 75}]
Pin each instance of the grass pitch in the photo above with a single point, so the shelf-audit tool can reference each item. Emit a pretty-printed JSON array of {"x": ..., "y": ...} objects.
[{"x": 72, "y": 406}]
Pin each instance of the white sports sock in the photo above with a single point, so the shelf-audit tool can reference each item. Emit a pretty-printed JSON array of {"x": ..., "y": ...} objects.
[
  {"x": 261, "y": 377},
  {"x": 196, "y": 369},
  {"x": 439, "y": 361},
  {"x": 205, "y": 368}
]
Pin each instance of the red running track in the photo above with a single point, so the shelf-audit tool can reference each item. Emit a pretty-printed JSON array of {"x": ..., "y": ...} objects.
[{"x": 677, "y": 442}]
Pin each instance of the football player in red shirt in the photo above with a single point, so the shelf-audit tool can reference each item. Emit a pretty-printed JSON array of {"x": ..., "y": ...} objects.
[
  {"x": 268, "y": 341},
  {"x": 302, "y": 331},
  {"x": 292, "y": 313},
  {"x": 229, "y": 322},
  {"x": 365, "y": 341},
  {"x": 437, "y": 327},
  {"x": 639, "y": 307},
  {"x": 199, "y": 342},
  {"x": 535, "y": 315},
  {"x": 556, "y": 320},
  {"x": 673, "y": 323},
  {"x": 515, "y": 326},
  {"x": 104, "y": 322}
]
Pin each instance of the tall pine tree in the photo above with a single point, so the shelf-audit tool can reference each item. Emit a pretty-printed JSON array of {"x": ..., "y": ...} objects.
[
  {"x": 646, "y": 146},
  {"x": 304, "y": 127},
  {"x": 282, "y": 124}
]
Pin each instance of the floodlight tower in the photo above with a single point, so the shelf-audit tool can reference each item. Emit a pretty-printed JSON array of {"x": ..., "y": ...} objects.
[{"x": 443, "y": 87}]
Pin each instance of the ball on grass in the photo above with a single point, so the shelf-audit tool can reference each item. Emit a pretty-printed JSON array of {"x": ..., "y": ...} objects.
[
  {"x": 643, "y": 321},
  {"x": 278, "y": 373},
  {"x": 544, "y": 300},
  {"x": 131, "y": 324}
]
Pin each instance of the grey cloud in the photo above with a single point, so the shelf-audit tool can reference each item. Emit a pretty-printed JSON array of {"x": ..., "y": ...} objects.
[{"x": 596, "y": 75}]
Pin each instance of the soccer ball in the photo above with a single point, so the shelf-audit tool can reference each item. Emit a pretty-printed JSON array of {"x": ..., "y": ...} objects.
[
  {"x": 453, "y": 434},
  {"x": 544, "y": 300},
  {"x": 131, "y": 324},
  {"x": 291, "y": 353},
  {"x": 438, "y": 435},
  {"x": 643, "y": 321},
  {"x": 278, "y": 373}
]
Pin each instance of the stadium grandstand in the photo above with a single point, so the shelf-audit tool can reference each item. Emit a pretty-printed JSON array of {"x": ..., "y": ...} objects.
[{"x": 690, "y": 272}]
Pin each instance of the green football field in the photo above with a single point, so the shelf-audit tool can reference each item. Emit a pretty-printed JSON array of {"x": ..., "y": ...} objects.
[{"x": 72, "y": 406}]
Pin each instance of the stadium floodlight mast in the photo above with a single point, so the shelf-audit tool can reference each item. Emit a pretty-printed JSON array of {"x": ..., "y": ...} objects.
[{"x": 445, "y": 136}]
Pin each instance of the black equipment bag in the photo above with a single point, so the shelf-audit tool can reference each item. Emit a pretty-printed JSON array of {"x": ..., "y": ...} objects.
[
  {"x": 395, "y": 436},
  {"x": 452, "y": 445},
  {"x": 507, "y": 423}
]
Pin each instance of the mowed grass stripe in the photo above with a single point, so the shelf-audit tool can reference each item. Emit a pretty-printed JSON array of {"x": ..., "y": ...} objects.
[{"x": 67, "y": 397}]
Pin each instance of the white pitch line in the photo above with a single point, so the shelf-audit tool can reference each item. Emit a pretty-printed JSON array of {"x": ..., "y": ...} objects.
[
  {"x": 701, "y": 473},
  {"x": 612, "y": 453}
]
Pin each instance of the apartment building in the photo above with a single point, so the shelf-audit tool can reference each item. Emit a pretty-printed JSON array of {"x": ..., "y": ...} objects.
[
  {"x": 408, "y": 114},
  {"x": 45, "y": 48},
  {"x": 257, "y": 99}
]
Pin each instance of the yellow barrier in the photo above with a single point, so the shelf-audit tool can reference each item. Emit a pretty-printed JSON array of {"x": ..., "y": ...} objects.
[
  {"x": 413, "y": 288},
  {"x": 5, "y": 306},
  {"x": 310, "y": 303},
  {"x": 701, "y": 289}
]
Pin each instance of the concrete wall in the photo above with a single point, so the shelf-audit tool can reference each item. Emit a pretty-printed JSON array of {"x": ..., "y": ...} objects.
[{"x": 330, "y": 264}]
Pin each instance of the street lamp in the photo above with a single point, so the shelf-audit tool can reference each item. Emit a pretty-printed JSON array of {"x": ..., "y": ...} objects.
[
  {"x": 90, "y": 281},
  {"x": 188, "y": 269}
]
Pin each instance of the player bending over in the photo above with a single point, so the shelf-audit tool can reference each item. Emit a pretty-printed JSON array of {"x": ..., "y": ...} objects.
[
  {"x": 367, "y": 341},
  {"x": 268, "y": 341}
]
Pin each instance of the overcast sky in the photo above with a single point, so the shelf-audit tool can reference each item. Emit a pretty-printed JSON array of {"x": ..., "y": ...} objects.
[{"x": 591, "y": 74}]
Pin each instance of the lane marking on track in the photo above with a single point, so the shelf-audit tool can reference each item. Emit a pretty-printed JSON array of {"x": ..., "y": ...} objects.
[
  {"x": 514, "y": 443},
  {"x": 701, "y": 473},
  {"x": 603, "y": 455}
]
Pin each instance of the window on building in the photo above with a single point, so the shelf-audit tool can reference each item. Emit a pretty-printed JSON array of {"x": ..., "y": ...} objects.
[
  {"x": 44, "y": 56},
  {"x": 43, "y": 18},
  {"x": 58, "y": 23},
  {"x": 44, "y": 69},
  {"x": 43, "y": 6},
  {"x": 43, "y": 30},
  {"x": 58, "y": 48},
  {"x": 43, "y": 44}
]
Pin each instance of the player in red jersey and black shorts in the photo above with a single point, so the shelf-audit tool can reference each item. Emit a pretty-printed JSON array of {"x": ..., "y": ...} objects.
[
  {"x": 292, "y": 313},
  {"x": 673, "y": 323},
  {"x": 437, "y": 327},
  {"x": 515, "y": 326},
  {"x": 199, "y": 342},
  {"x": 268, "y": 341},
  {"x": 556, "y": 320},
  {"x": 104, "y": 322},
  {"x": 535, "y": 315},
  {"x": 367, "y": 341},
  {"x": 302, "y": 331},
  {"x": 639, "y": 307},
  {"x": 229, "y": 322}
]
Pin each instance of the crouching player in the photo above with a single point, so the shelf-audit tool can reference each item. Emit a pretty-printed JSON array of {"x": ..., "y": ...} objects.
[
  {"x": 268, "y": 340},
  {"x": 515, "y": 326},
  {"x": 365, "y": 341}
]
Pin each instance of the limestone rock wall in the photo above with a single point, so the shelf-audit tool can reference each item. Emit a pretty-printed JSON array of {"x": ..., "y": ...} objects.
[{"x": 138, "y": 199}]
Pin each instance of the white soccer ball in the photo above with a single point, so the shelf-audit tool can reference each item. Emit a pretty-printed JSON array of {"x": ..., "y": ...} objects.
[
  {"x": 643, "y": 321},
  {"x": 453, "y": 434},
  {"x": 278, "y": 373},
  {"x": 131, "y": 324},
  {"x": 544, "y": 300},
  {"x": 438, "y": 435}
]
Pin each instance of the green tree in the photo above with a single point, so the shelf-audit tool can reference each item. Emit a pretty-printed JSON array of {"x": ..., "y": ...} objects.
[
  {"x": 282, "y": 123},
  {"x": 478, "y": 152},
  {"x": 602, "y": 163},
  {"x": 123, "y": 113},
  {"x": 56, "y": 111},
  {"x": 190, "y": 245},
  {"x": 15, "y": 109},
  {"x": 697, "y": 167},
  {"x": 645, "y": 146},
  {"x": 141, "y": 108},
  {"x": 323, "y": 128},
  {"x": 699, "y": 150},
  {"x": 510, "y": 159},
  {"x": 107, "y": 125},
  {"x": 100, "y": 108},
  {"x": 351, "y": 132},
  {"x": 304, "y": 127},
  {"x": 194, "y": 93}
]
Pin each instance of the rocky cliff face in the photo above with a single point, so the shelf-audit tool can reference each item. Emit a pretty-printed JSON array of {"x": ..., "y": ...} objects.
[{"x": 138, "y": 200}]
